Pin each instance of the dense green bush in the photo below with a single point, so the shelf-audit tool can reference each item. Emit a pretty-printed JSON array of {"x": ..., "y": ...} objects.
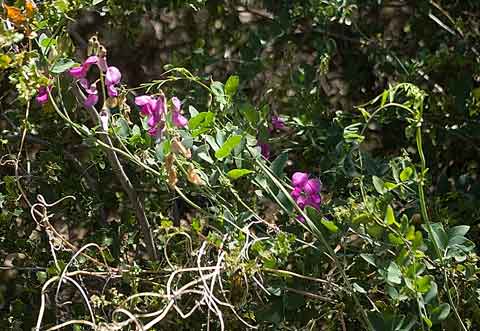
[{"x": 290, "y": 165}]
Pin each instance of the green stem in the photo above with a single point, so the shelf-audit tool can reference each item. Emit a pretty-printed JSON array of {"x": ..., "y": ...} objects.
[
  {"x": 314, "y": 230},
  {"x": 423, "y": 210}
]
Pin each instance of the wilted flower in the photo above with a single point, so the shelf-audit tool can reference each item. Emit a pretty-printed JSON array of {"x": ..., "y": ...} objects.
[
  {"x": 42, "y": 95},
  {"x": 306, "y": 191},
  {"x": 104, "y": 116},
  {"x": 178, "y": 147},
  {"x": 193, "y": 176},
  {"x": 178, "y": 119}
]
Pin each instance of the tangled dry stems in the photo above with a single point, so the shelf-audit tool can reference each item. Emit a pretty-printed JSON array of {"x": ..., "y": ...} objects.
[{"x": 206, "y": 284}]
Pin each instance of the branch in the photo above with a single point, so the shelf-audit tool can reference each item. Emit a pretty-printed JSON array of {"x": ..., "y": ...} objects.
[{"x": 123, "y": 178}]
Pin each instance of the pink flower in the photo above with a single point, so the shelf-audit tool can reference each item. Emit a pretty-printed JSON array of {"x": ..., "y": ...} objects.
[
  {"x": 306, "y": 192},
  {"x": 312, "y": 186},
  {"x": 154, "y": 109},
  {"x": 277, "y": 123},
  {"x": 112, "y": 78},
  {"x": 264, "y": 149},
  {"x": 178, "y": 119},
  {"x": 91, "y": 90},
  {"x": 42, "y": 95},
  {"x": 82, "y": 70},
  {"x": 299, "y": 179},
  {"x": 102, "y": 63}
]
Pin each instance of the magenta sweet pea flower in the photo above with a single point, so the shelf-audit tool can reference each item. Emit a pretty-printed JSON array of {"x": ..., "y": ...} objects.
[
  {"x": 154, "y": 109},
  {"x": 82, "y": 70},
  {"x": 112, "y": 78},
  {"x": 177, "y": 118},
  {"x": 299, "y": 179},
  {"x": 264, "y": 150},
  {"x": 277, "y": 122},
  {"x": 42, "y": 95},
  {"x": 92, "y": 92},
  {"x": 306, "y": 191},
  {"x": 312, "y": 186}
]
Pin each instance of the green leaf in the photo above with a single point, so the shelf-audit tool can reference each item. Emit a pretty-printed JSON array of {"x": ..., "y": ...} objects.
[
  {"x": 217, "y": 90},
  {"x": 250, "y": 113},
  {"x": 406, "y": 174},
  {"x": 460, "y": 230},
  {"x": 441, "y": 312},
  {"x": 237, "y": 173},
  {"x": 201, "y": 120},
  {"x": 42, "y": 276},
  {"x": 423, "y": 284},
  {"x": 390, "y": 216},
  {"x": 329, "y": 225},
  {"x": 279, "y": 163},
  {"x": 231, "y": 86},
  {"x": 394, "y": 239},
  {"x": 370, "y": 258},
  {"x": 394, "y": 274},
  {"x": 378, "y": 184},
  {"x": 439, "y": 236},
  {"x": 122, "y": 128},
  {"x": 228, "y": 146},
  {"x": 202, "y": 153},
  {"x": 62, "y": 65}
]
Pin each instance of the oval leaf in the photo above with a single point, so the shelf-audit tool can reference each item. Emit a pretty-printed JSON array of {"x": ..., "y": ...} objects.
[{"x": 237, "y": 173}]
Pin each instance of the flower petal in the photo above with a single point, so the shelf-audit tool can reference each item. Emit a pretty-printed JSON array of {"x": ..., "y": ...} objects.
[
  {"x": 142, "y": 100},
  {"x": 91, "y": 100},
  {"x": 113, "y": 76},
  {"x": 90, "y": 60},
  {"x": 112, "y": 91},
  {"x": 179, "y": 120},
  {"x": 299, "y": 179},
  {"x": 176, "y": 103},
  {"x": 78, "y": 72},
  {"x": 42, "y": 95},
  {"x": 102, "y": 64},
  {"x": 297, "y": 191},
  {"x": 312, "y": 186}
]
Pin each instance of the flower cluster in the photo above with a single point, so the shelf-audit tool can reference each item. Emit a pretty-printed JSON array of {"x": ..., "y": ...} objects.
[
  {"x": 155, "y": 108},
  {"x": 112, "y": 78},
  {"x": 306, "y": 191}
]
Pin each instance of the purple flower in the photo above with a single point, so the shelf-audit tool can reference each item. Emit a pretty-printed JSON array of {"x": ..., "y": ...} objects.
[
  {"x": 154, "y": 109},
  {"x": 112, "y": 78},
  {"x": 277, "y": 123},
  {"x": 264, "y": 149},
  {"x": 91, "y": 90},
  {"x": 299, "y": 179},
  {"x": 82, "y": 70},
  {"x": 306, "y": 191},
  {"x": 178, "y": 119},
  {"x": 42, "y": 95}
]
